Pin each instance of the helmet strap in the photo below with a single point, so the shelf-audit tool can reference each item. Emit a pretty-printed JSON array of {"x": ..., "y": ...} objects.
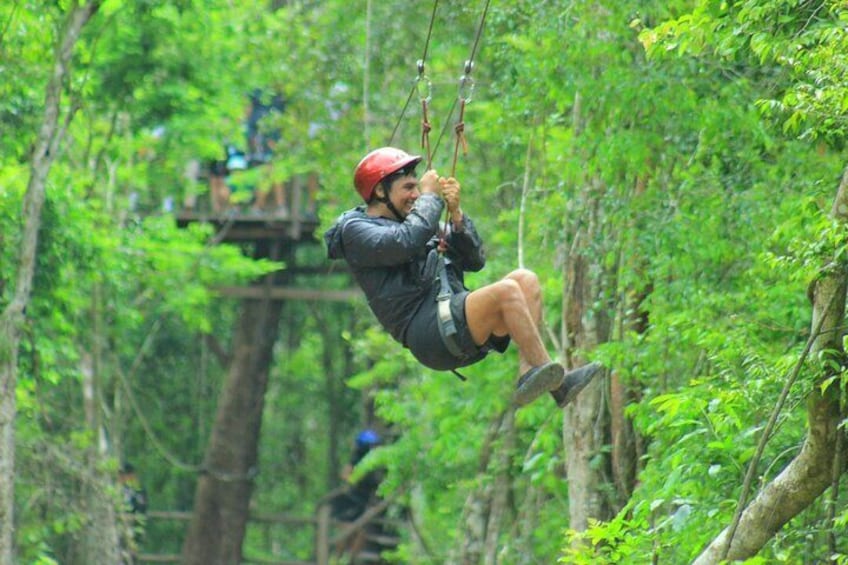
[
  {"x": 387, "y": 201},
  {"x": 395, "y": 211}
]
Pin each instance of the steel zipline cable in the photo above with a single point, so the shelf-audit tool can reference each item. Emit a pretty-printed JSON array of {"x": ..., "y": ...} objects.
[
  {"x": 466, "y": 86},
  {"x": 420, "y": 67},
  {"x": 465, "y": 89}
]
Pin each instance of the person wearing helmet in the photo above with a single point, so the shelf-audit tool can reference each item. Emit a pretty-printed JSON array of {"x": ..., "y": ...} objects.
[
  {"x": 365, "y": 440},
  {"x": 394, "y": 250},
  {"x": 352, "y": 501}
]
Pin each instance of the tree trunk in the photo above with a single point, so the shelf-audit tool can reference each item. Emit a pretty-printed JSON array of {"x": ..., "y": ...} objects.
[
  {"x": 810, "y": 473},
  {"x": 223, "y": 491},
  {"x": 624, "y": 453},
  {"x": 335, "y": 396},
  {"x": 798, "y": 485},
  {"x": 484, "y": 508},
  {"x": 501, "y": 486},
  {"x": 586, "y": 421},
  {"x": 12, "y": 318},
  {"x": 98, "y": 540},
  {"x": 626, "y": 449}
]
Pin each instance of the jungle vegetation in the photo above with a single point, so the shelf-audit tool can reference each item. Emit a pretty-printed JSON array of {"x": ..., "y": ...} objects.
[{"x": 674, "y": 172}]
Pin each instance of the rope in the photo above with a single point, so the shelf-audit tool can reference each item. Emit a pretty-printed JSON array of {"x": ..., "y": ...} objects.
[
  {"x": 420, "y": 72},
  {"x": 445, "y": 127},
  {"x": 429, "y": 31},
  {"x": 425, "y": 134},
  {"x": 460, "y": 136},
  {"x": 479, "y": 31},
  {"x": 465, "y": 81},
  {"x": 402, "y": 114},
  {"x": 466, "y": 89}
]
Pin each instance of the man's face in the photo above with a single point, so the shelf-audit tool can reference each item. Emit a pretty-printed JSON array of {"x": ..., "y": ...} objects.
[{"x": 404, "y": 193}]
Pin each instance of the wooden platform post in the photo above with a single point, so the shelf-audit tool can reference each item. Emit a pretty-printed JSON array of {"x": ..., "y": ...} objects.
[{"x": 322, "y": 536}]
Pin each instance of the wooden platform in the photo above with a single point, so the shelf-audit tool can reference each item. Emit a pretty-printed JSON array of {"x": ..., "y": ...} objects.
[
  {"x": 279, "y": 239},
  {"x": 234, "y": 226}
]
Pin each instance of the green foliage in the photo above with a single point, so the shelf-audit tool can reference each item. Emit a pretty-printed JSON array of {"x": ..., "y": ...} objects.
[
  {"x": 616, "y": 541},
  {"x": 667, "y": 143},
  {"x": 101, "y": 287},
  {"x": 732, "y": 297},
  {"x": 801, "y": 44}
]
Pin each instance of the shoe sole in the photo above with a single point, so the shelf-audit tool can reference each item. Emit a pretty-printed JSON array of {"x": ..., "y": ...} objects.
[
  {"x": 537, "y": 381},
  {"x": 579, "y": 379}
]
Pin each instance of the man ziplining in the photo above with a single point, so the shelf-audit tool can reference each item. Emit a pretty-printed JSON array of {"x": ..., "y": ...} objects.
[{"x": 413, "y": 278}]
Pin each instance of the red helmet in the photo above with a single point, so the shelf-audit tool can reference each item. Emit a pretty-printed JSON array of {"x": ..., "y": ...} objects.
[{"x": 379, "y": 164}]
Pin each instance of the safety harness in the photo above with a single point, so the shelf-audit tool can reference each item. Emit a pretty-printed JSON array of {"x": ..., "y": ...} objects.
[
  {"x": 447, "y": 326},
  {"x": 446, "y": 323}
]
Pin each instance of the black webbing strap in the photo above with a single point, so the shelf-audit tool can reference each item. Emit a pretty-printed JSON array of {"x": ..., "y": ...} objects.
[{"x": 447, "y": 327}]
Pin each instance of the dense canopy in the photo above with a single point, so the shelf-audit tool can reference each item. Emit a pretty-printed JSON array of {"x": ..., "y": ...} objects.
[{"x": 674, "y": 172}]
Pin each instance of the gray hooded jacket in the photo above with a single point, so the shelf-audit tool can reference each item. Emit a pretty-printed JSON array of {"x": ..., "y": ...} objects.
[{"x": 394, "y": 262}]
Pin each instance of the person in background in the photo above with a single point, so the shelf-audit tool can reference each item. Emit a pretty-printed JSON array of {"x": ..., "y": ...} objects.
[
  {"x": 191, "y": 174},
  {"x": 134, "y": 509},
  {"x": 263, "y": 134},
  {"x": 355, "y": 499},
  {"x": 218, "y": 189},
  {"x": 357, "y": 496}
]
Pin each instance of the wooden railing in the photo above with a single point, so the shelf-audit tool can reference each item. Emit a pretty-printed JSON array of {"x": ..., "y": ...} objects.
[{"x": 329, "y": 533}]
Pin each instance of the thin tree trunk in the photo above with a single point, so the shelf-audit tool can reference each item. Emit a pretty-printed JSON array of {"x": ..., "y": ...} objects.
[
  {"x": 366, "y": 80},
  {"x": 501, "y": 487},
  {"x": 811, "y": 472},
  {"x": 624, "y": 449},
  {"x": 223, "y": 491},
  {"x": 334, "y": 395},
  {"x": 586, "y": 421},
  {"x": 13, "y": 317},
  {"x": 483, "y": 504},
  {"x": 99, "y": 539}
]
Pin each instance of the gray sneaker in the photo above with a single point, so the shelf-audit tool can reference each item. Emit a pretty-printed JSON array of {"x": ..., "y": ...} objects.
[
  {"x": 537, "y": 381},
  {"x": 574, "y": 382}
]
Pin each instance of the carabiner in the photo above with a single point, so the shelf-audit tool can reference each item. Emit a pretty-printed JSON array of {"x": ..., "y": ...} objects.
[
  {"x": 466, "y": 88},
  {"x": 423, "y": 84},
  {"x": 466, "y": 83}
]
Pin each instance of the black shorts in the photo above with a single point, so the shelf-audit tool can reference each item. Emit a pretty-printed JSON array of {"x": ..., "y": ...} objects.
[{"x": 425, "y": 341}]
